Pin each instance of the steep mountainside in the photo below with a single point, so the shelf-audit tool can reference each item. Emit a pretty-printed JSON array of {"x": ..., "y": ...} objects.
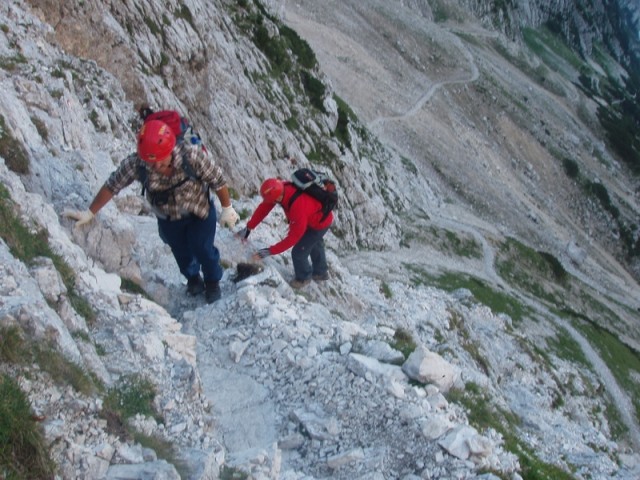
[{"x": 481, "y": 319}]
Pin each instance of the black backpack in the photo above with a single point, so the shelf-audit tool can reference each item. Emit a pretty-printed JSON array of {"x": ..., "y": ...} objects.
[{"x": 318, "y": 185}]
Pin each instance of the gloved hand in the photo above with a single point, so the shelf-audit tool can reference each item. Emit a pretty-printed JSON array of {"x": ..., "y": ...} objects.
[
  {"x": 81, "y": 217},
  {"x": 228, "y": 217},
  {"x": 244, "y": 233},
  {"x": 262, "y": 253}
]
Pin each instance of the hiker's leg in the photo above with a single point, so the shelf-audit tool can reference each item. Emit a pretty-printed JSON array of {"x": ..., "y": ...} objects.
[
  {"x": 301, "y": 251},
  {"x": 318, "y": 258},
  {"x": 174, "y": 234},
  {"x": 201, "y": 235}
]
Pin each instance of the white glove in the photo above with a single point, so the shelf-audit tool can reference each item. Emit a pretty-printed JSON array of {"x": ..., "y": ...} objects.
[
  {"x": 228, "y": 217},
  {"x": 81, "y": 217}
]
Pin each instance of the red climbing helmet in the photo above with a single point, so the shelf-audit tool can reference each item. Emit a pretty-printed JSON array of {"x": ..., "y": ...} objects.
[
  {"x": 272, "y": 189},
  {"x": 155, "y": 141}
]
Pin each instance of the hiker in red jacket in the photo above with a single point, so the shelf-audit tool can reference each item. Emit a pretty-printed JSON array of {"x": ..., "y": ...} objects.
[{"x": 307, "y": 228}]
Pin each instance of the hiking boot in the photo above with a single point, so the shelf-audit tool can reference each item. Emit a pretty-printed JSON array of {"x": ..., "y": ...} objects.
[
  {"x": 212, "y": 291},
  {"x": 195, "y": 285},
  {"x": 321, "y": 277},
  {"x": 299, "y": 283}
]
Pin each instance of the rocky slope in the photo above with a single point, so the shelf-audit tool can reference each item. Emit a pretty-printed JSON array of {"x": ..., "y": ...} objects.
[{"x": 452, "y": 141}]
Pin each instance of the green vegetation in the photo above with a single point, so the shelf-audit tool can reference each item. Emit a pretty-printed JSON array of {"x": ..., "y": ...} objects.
[
  {"x": 386, "y": 290},
  {"x": 315, "y": 90},
  {"x": 498, "y": 302},
  {"x": 230, "y": 473},
  {"x": 345, "y": 115},
  {"x": 185, "y": 14},
  {"x": 12, "y": 150},
  {"x": 621, "y": 360},
  {"x": 483, "y": 415},
  {"x": 133, "y": 395},
  {"x": 11, "y": 64},
  {"x": 403, "y": 342},
  {"x": 550, "y": 47},
  {"x": 27, "y": 246},
  {"x": 41, "y": 128},
  {"x": 15, "y": 349},
  {"x": 448, "y": 242},
  {"x": 600, "y": 192},
  {"x": 571, "y": 168},
  {"x": 23, "y": 450},
  {"x": 130, "y": 286},
  {"x": 536, "y": 272},
  {"x": 456, "y": 324},
  {"x": 564, "y": 346}
]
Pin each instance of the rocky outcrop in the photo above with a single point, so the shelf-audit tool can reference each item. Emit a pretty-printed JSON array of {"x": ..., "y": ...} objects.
[{"x": 583, "y": 23}]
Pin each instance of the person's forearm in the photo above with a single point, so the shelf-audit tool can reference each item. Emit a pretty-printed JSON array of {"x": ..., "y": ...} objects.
[
  {"x": 101, "y": 199},
  {"x": 223, "y": 196}
]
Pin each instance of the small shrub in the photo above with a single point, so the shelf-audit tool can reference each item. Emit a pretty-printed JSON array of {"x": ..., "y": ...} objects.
[
  {"x": 273, "y": 47},
  {"x": 315, "y": 90},
  {"x": 27, "y": 245},
  {"x": 600, "y": 192},
  {"x": 13, "y": 152},
  {"x": 62, "y": 370},
  {"x": 41, "y": 128},
  {"x": 403, "y": 342},
  {"x": 130, "y": 286},
  {"x": 386, "y": 290},
  {"x": 300, "y": 48},
  {"x": 134, "y": 395},
  {"x": 345, "y": 115},
  {"x": 231, "y": 473},
  {"x": 23, "y": 451},
  {"x": 12, "y": 345},
  {"x": 571, "y": 168}
]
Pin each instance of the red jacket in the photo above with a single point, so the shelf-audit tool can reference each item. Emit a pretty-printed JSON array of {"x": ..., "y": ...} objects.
[{"x": 306, "y": 212}]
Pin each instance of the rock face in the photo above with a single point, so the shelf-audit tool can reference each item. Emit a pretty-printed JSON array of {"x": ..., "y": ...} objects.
[
  {"x": 616, "y": 27},
  {"x": 273, "y": 382}
]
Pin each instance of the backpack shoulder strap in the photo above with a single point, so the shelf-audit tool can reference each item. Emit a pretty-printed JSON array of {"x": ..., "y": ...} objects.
[
  {"x": 295, "y": 196},
  {"x": 188, "y": 168},
  {"x": 142, "y": 177}
]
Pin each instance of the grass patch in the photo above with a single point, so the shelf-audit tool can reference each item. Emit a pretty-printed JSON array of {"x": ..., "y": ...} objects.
[
  {"x": 17, "y": 349},
  {"x": 345, "y": 115},
  {"x": 13, "y": 152},
  {"x": 133, "y": 395},
  {"x": 403, "y": 342},
  {"x": 315, "y": 90},
  {"x": 551, "y": 48},
  {"x": 23, "y": 450},
  {"x": 231, "y": 473},
  {"x": 456, "y": 324},
  {"x": 386, "y": 290},
  {"x": 482, "y": 414},
  {"x": 27, "y": 245},
  {"x": 622, "y": 361},
  {"x": 536, "y": 272},
  {"x": 498, "y": 302},
  {"x": 564, "y": 346},
  {"x": 130, "y": 286}
]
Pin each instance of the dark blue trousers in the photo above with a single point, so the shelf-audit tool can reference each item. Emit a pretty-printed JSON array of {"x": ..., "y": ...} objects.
[
  {"x": 311, "y": 245},
  {"x": 191, "y": 241}
]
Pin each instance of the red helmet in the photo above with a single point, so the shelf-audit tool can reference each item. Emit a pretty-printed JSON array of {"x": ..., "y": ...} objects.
[
  {"x": 155, "y": 141},
  {"x": 272, "y": 189}
]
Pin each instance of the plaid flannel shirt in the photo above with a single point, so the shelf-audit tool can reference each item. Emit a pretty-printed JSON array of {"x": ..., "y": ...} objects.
[{"x": 188, "y": 198}]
